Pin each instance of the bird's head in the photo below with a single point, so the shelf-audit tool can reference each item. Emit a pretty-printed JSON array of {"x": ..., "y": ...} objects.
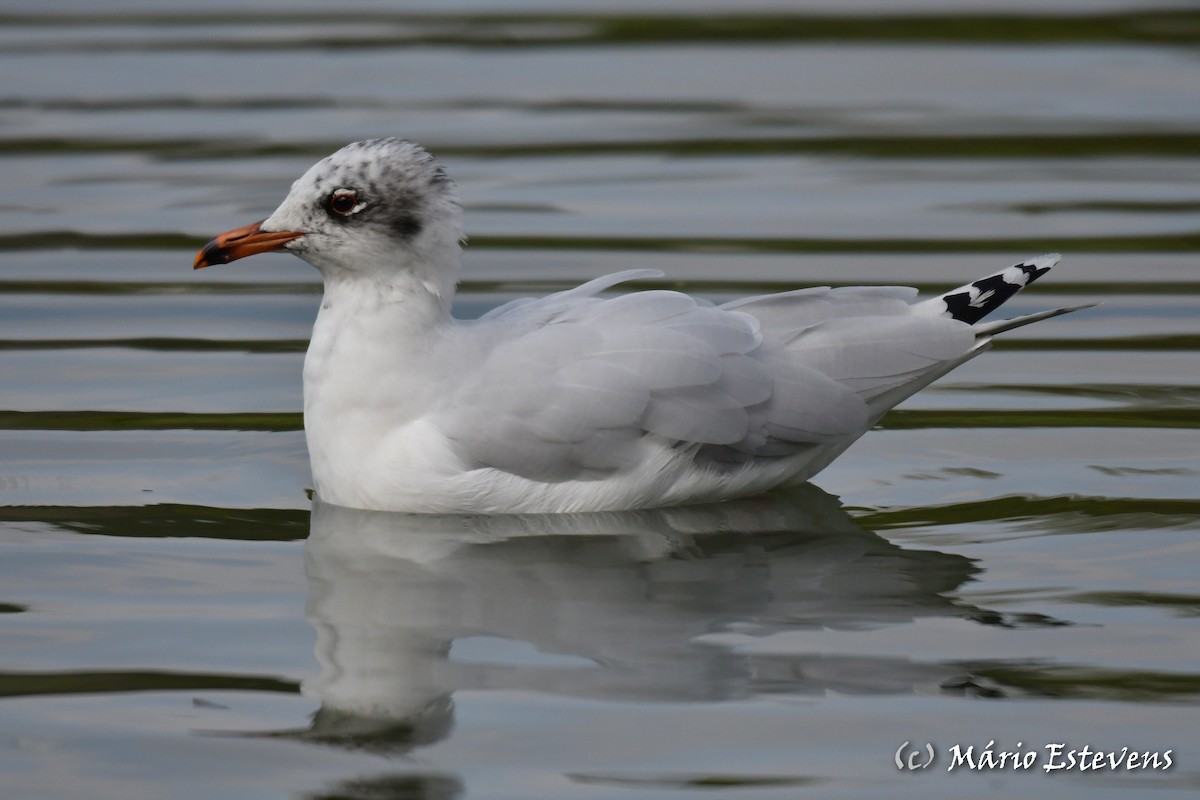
[{"x": 372, "y": 209}]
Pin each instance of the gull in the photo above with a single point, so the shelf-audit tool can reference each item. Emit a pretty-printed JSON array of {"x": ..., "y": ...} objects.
[{"x": 583, "y": 400}]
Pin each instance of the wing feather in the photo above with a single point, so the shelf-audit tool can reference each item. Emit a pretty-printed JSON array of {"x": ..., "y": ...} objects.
[
  {"x": 696, "y": 415},
  {"x": 865, "y": 354},
  {"x": 573, "y": 381}
]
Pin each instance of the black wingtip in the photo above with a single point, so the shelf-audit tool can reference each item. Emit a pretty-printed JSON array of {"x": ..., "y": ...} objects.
[{"x": 976, "y": 300}]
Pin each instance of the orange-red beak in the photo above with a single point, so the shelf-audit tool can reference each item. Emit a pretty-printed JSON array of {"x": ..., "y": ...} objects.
[{"x": 242, "y": 242}]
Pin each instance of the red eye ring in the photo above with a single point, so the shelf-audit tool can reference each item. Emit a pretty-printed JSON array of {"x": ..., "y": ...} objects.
[{"x": 343, "y": 202}]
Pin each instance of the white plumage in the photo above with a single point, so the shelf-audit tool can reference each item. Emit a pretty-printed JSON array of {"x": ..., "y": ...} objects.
[{"x": 581, "y": 400}]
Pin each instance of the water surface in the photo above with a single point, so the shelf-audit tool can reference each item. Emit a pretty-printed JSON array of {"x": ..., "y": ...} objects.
[{"x": 1011, "y": 557}]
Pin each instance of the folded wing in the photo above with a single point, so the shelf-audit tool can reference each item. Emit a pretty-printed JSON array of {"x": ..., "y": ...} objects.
[{"x": 573, "y": 381}]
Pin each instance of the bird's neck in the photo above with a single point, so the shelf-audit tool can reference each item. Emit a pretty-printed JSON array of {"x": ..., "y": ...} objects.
[
  {"x": 377, "y": 349},
  {"x": 367, "y": 324},
  {"x": 416, "y": 283},
  {"x": 384, "y": 321},
  {"x": 372, "y": 367},
  {"x": 403, "y": 303}
]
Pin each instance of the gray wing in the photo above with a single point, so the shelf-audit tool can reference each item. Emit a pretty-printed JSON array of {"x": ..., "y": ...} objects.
[
  {"x": 870, "y": 339},
  {"x": 573, "y": 380}
]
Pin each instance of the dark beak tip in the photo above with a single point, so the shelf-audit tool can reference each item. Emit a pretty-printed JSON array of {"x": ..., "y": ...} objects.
[
  {"x": 240, "y": 243},
  {"x": 209, "y": 255}
]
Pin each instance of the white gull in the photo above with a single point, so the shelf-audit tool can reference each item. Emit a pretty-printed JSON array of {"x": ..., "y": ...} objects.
[{"x": 578, "y": 401}]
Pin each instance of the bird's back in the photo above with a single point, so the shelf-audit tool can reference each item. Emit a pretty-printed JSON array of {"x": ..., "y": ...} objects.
[{"x": 575, "y": 381}]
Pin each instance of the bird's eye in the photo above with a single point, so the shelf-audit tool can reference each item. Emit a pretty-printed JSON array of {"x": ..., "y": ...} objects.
[{"x": 343, "y": 202}]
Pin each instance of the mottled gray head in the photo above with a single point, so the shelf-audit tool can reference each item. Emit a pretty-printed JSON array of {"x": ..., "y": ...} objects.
[{"x": 372, "y": 208}]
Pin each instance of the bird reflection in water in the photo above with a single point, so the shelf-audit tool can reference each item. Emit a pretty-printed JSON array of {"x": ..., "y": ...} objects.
[{"x": 408, "y": 609}]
